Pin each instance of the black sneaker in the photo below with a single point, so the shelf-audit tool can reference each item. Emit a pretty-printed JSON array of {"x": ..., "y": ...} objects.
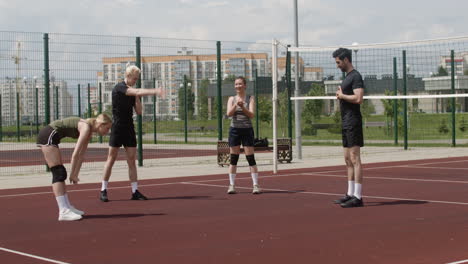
[
  {"x": 103, "y": 196},
  {"x": 138, "y": 196},
  {"x": 353, "y": 202},
  {"x": 343, "y": 200}
]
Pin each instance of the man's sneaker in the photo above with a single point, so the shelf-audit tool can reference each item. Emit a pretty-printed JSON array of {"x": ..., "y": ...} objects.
[
  {"x": 256, "y": 189},
  {"x": 138, "y": 196},
  {"x": 231, "y": 189},
  {"x": 353, "y": 202},
  {"x": 68, "y": 215},
  {"x": 76, "y": 211},
  {"x": 343, "y": 199},
  {"x": 103, "y": 196}
]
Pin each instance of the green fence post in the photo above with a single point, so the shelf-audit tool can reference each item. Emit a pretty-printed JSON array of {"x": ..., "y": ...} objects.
[
  {"x": 79, "y": 100},
  {"x": 395, "y": 102},
  {"x": 46, "y": 80},
  {"x": 139, "y": 118},
  {"x": 46, "y": 83},
  {"x": 89, "y": 100},
  {"x": 288, "y": 86},
  {"x": 405, "y": 103},
  {"x": 1, "y": 132},
  {"x": 452, "y": 82},
  {"x": 154, "y": 114},
  {"x": 219, "y": 93},
  {"x": 56, "y": 103},
  {"x": 185, "y": 109},
  {"x": 100, "y": 106},
  {"x": 17, "y": 118},
  {"x": 257, "y": 133},
  {"x": 36, "y": 119}
]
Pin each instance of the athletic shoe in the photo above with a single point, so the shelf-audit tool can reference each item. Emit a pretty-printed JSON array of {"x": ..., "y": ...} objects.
[
  {"x": 68, "y": 215},
  {"x": 256, "y": 189},
  {"x": 76, "y": 211},
  {"x": 353, "y": 202},
  {"x": 103, "y": 196},
  {"x": 231, "y": 189},
  {"x": 343, "y": 199},
  {"x": 138, "y": 196}
]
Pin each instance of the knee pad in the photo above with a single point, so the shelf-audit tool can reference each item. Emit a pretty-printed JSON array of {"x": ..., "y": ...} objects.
[
  {"x": 234, "y": 159},
  {"x": 251, "y": 160},
  {"x": 59, "y": 173}
]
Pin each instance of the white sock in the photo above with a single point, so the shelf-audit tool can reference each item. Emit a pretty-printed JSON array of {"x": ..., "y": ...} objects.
[
  {"x": 134, "y": 186},
  {"x": 62, "y": 202},
  {"x": 232, "y": 178},
  {"x": 104, "y": 185},
  {"x": 358, "y": 190},
  {"x": 254, "y": 178},
  {"x": 67, "y": 200},
  {"x": 350, "y": 188}
]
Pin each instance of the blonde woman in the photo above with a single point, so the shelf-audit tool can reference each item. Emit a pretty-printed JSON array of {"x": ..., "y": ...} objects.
[
  {"x": 241, "y": 108},
  {"x": 49, "y": 139},
  {"x": 125, "y": 99}
]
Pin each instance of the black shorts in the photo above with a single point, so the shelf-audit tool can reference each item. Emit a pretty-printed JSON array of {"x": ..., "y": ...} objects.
[
  {"x": 122, "y": 136},
  {"x": 48, "y": 137},
  {"x": 352, "y": 137},
  {"x": 238, "y": 136}
]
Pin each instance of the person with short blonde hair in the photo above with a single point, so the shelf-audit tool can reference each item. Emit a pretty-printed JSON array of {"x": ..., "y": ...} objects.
[
  {"x": 49, "y": 139},
  {"x": 125, "y": 99}
]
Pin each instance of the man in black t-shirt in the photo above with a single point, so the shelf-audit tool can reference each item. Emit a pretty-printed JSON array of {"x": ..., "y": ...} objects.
[
  {"x": 350, "y": 94},
  {"x": 124, "y": 100}
]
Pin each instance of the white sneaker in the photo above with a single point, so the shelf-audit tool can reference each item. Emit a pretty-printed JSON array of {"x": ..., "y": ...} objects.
[
  {"x": 68, "y": 215},
  {"x": 231, "y": 189},
  {"x": 76, "y": 211},
  {"x": 256, "y": 189}
]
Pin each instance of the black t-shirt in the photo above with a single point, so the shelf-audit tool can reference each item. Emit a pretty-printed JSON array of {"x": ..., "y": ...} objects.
[
  {"x": 351, "y": 113},
  {"x": 122, "y": 106}
]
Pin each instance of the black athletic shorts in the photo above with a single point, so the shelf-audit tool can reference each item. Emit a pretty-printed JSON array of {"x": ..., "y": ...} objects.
[
  {"x": 48, "y": 137},
  {"x": 238, "y": 136},
  {"x": 122, "y": 136},
  {"x": 352, "y": 137}
]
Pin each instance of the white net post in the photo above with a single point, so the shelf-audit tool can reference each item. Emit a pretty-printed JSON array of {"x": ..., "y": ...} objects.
[{"x": 274, "y": 102}]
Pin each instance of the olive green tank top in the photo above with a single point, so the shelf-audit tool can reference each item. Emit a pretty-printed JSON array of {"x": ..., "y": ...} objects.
[{"x": 67, "y": 127}]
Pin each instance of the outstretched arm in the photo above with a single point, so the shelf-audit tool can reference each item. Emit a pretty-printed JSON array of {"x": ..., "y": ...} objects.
[
  {"x": 79, "y": 151},
  {"x": 144, "y": 92}
]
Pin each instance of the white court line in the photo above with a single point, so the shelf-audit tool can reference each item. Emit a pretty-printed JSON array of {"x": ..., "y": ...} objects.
[
  {"x": 441, "y": 168},
  {"x": 458, "y": 262},
  {"x": 336, "y": 194},
  {"x": 388, "y": 178},
  {"x": 33, "y": 256}
]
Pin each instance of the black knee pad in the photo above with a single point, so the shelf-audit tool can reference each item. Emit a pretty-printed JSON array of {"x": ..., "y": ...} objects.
[
  {"x": 234, "y": 159},
  {"x": 251, "y": 160},
  {"x": 59, "y": 173}
]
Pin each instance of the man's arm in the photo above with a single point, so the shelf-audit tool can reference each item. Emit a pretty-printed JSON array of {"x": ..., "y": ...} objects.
[
  {"x": 356, "y": 98},
  {"x": 138, "y": 107},
  {"x": 143, "y": 92}
]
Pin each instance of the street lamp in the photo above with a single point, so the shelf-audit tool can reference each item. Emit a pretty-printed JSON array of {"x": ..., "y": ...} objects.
[{"x": 184, "y": 85}]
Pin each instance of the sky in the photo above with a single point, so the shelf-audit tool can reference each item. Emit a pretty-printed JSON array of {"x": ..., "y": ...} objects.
[{"x": 321, "y": 22}]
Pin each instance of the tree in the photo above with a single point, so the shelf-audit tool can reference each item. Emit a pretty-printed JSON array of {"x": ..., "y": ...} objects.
[
  {"x": 442, "y": 71},
  {"x": 203, "y": 100},
  {"x": 190, "y": 103},
  {"x": 465, "y": 72},
  {"x": 313, "y": 108},
  {"x": 367, "y": 108},
  {"x": 389, "y": 110},
  {"x": 264, "y": 109}
]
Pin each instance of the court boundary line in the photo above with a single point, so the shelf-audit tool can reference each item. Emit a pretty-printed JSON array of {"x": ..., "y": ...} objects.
[
  {"x": 459, "y": 262},
  {"x": 336, "y": 194},
  {"x": 33, "y": 256}
]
